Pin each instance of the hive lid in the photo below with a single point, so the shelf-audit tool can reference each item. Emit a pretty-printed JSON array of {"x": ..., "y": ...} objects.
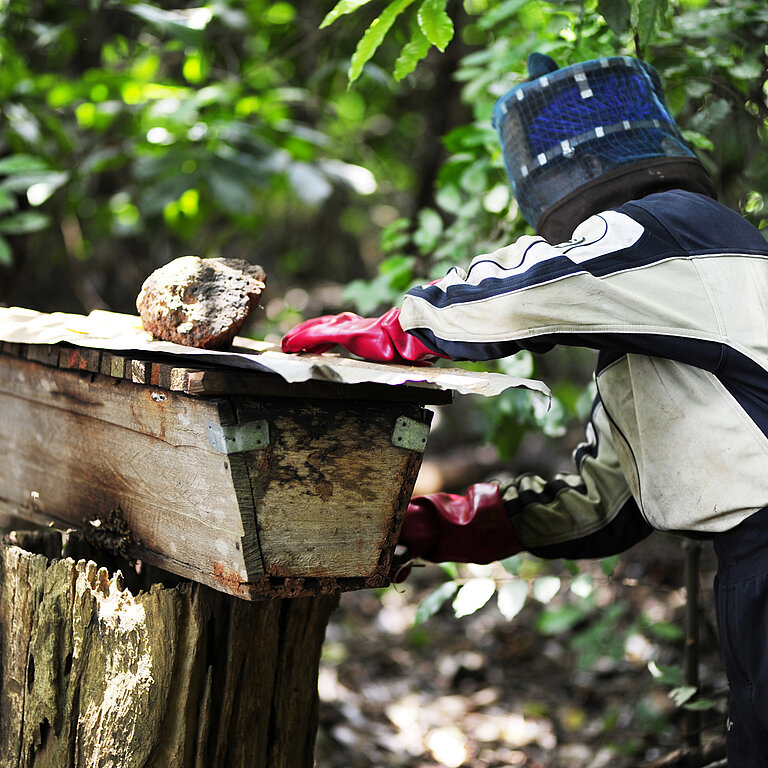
[{"x": 118, "y": 332}]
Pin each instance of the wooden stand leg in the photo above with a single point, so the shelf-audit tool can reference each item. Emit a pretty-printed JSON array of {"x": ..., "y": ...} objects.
[{"x": 93, "y": 674}]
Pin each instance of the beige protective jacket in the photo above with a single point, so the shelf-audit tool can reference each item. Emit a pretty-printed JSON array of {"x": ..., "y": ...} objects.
[{"x": 673, "y": 292}]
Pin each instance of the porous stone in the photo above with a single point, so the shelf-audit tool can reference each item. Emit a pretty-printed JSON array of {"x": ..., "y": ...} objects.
[{"x": 200, "y": 302}]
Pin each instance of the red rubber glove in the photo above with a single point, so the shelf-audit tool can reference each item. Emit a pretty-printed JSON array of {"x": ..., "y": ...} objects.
[
  {"x": 377, "y": 339},
  {"x": 474, "y": 528}
]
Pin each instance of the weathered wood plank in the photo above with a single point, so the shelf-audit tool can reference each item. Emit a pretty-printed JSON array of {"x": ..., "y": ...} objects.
[
  {"x": 116, "y": 402},
  {"x": 141, "y": 371},
  {"x": 74, "y": 451},
  {"x": 12, "y": 348},
  {"x": 92, "y": 674},
  {"x": 112, "y": 365},
  {"x": 80, "y": 358},
  {"x": 48, "y": 354},
  {"x": 320, "y": 487}
]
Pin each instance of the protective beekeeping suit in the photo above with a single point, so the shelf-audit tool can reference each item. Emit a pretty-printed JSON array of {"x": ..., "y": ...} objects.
[{"x": 636, "y": 259}]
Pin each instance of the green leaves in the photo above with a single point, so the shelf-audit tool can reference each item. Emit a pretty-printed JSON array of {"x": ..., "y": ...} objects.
[
  {"x": 701, "y": 704},
  {"x": 6, "y": 256},
  {"x": 386, "y": 289},
  {"x": 472, "y": 596},
  {"x": 435, "y": 23},
  {"x": 670, "y": 675},
  {"x": 342, "y": 8},
  {"x": 204, "y": 125},
  {"x": 413, "y": 52},
  {"x": 684, "y": 696},
  {"x": 31, "y": 177},
  {"x": 22, "y": 163},
  {"x": 558, "y": 620},
  {"x": 428, "y": 231},
  {"x": 186, "y": 25},
  {"x": 512, "y": 597},
  {"x": 24, "y": 223},
  {"x": 647, "y": 17},
  {"x": 617, "y": 14},
  {"x": 433, "y": 602},
  {"x": 19, "y": 224},
  {"x": 7, "y": 201},
  {"x": 433, "y": 27},
  {"x": 644, "y": 18},
  {"x": 608, "y": 564},
  {"x": 374, "y": 36}
]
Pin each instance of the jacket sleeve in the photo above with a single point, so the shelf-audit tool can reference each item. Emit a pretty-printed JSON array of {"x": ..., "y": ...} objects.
[
  {"x": 623, "y": 283},
  {"x": 588, "y": 514}
]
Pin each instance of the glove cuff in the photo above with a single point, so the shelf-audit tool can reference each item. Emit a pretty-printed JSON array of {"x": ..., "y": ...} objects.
[{"x": 474, "y": 528}]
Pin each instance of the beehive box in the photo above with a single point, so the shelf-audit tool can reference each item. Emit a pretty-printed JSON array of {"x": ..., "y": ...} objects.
[
  {"x": 252, "y": 494},
  {"x": 236, "y": 478}
]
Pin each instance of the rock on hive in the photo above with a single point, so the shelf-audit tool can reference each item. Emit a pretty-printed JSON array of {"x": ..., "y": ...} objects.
[{"x": 200, "y": 302}]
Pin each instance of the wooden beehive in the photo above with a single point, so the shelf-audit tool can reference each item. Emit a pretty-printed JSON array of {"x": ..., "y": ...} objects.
[{"x": 235, "y": 479}]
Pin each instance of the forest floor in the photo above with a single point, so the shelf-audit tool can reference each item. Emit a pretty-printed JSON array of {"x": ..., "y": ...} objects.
[{"x": 482, "y": 691}]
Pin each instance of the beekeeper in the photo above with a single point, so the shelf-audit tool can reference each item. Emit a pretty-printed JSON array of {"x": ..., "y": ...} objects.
[{"x": 633, "y": 258}]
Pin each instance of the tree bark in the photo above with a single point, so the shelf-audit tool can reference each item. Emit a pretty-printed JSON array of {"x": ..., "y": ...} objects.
[{"x": 94, "y": 674}]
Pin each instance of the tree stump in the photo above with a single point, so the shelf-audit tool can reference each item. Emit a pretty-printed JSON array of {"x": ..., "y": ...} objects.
[{"x": 96, "y": 674}]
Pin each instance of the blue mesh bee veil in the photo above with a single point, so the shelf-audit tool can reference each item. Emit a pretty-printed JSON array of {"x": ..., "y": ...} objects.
[{"x": 565, "y": 127}]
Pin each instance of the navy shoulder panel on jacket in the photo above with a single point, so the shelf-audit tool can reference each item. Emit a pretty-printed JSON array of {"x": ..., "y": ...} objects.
[{"x": 696, "y": 223}]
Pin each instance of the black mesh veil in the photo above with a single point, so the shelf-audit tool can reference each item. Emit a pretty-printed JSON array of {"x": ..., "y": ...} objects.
[{"x": 571, "y": 125}]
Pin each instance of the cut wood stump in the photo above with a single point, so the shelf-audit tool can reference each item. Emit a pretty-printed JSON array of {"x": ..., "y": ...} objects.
[{"x": 93, "y": 674}]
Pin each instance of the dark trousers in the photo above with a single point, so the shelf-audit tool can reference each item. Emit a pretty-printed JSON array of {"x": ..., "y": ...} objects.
[{"x": 741, "y": 599}]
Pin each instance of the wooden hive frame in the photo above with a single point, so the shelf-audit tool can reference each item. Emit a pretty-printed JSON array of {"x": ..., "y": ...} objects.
[{"x": 235, "y": 479}]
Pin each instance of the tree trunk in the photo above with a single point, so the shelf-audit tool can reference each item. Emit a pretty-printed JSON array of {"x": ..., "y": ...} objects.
[{"x": 94, "y": 674}]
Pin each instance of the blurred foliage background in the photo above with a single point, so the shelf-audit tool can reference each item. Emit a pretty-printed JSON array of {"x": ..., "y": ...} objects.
[{"x": 347, "y": 148}]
